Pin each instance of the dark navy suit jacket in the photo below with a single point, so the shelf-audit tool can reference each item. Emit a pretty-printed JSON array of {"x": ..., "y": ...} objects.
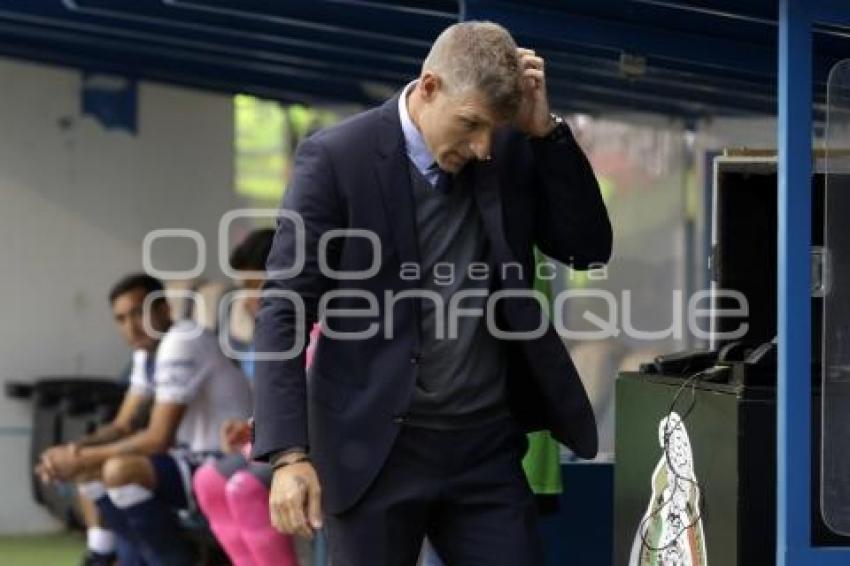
[{"x": 355, "y": 175}]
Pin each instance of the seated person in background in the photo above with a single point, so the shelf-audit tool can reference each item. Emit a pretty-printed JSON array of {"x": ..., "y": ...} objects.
[
  {"x": 126, "y": 300},
  {"x": 233, "y": 492},
  {"x": 139, "y": 481}
]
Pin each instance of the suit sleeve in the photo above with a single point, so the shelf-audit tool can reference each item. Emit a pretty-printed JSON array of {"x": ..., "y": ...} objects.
[
  {"x": 280, "y": 396},
  {"x": 572, "y": 223}
]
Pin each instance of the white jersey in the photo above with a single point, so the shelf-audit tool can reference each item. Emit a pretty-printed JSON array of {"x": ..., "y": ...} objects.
[
  {"x": 191, "y": 370},
  {"x": 141, "y": 374}
]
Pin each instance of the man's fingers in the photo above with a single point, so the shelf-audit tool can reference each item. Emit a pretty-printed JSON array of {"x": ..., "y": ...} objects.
[
  {"x": 314, "y": 507},
  {"x": 532, "y": 62},
  {"x": 297, "y": 507},
  {"x": 287, "y": 510},
  {"x": 298, "y": 521},
  {"x": 533, "y": 78},
  {"x": 277, "y": 515},
  {"x": 278, "y": 512},
  {"x": 291, "y": 519},
  {"x": 295, "y": 500}
]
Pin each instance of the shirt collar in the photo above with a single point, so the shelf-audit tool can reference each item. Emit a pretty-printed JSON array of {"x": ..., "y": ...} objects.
[{"x": 417, "y": 151}]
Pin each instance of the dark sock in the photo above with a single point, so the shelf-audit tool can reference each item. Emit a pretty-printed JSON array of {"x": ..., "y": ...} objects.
[{"x": 125, "y": 543}]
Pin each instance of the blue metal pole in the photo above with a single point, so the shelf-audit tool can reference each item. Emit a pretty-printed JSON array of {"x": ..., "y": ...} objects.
[{"x": 793, "y": 540}]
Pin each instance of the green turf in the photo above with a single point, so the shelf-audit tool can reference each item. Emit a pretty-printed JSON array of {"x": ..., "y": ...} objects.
[{"x": 61, "y": 549}]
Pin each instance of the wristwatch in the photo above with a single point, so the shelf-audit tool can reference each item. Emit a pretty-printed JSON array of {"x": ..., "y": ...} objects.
[{"x": 560, "y": 132}]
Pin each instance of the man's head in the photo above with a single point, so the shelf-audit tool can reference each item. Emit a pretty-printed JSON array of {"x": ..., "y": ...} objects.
[
  {"x": 251, "y": 255},
  {"x": 469, "y": 85},
  {"x": 127, "y": 299}
]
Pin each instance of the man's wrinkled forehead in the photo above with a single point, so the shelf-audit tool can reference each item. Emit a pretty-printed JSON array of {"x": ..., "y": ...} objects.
[{"x": 475, "y": 107}]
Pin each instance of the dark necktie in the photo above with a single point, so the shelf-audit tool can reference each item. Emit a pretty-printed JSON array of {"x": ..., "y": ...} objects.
[{"x": 444, "y": 180}]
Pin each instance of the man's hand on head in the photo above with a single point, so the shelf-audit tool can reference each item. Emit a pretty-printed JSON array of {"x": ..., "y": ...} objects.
[
  {"x": 295, "y": 504},
  {"x": 534, "y": 117}
]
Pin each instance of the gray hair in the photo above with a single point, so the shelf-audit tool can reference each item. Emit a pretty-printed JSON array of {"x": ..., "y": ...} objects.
[{"x": 478, "y": 56}]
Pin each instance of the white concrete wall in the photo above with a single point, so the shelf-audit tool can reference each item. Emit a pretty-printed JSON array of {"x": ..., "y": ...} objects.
[{"x": 75, "y": 203}]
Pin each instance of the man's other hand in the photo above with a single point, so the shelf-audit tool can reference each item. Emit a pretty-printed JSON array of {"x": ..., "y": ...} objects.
[{"x": 295, "y": 499}]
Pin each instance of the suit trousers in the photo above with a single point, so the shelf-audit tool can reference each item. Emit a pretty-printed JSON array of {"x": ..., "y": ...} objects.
[{"x": 463, "y": 488}]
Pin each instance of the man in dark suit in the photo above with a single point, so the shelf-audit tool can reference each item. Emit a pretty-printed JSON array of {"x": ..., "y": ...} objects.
[{"x": 434, "y": 359}]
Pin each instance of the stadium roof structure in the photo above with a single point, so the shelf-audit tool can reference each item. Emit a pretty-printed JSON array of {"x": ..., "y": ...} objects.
[{"x": 687, "y": 59}]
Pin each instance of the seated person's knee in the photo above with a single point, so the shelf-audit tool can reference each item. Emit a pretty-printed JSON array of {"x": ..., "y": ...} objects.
[{"x": 125, "y": 470}]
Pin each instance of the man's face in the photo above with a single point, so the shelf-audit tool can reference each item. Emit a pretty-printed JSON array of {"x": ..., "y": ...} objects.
[
  {"x": 457, "y": 127},
  {"x": 127, "y": 310}
]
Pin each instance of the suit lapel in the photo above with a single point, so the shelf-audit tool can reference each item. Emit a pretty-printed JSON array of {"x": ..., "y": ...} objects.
[
  {"x": 393, "y": 175},
  {"x": 488, "y": 196}
]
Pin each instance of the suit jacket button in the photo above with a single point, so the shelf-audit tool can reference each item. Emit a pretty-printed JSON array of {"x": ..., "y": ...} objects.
[
  {"x": 399, "y": 419},
  {"x": 415, "y": 359}
]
